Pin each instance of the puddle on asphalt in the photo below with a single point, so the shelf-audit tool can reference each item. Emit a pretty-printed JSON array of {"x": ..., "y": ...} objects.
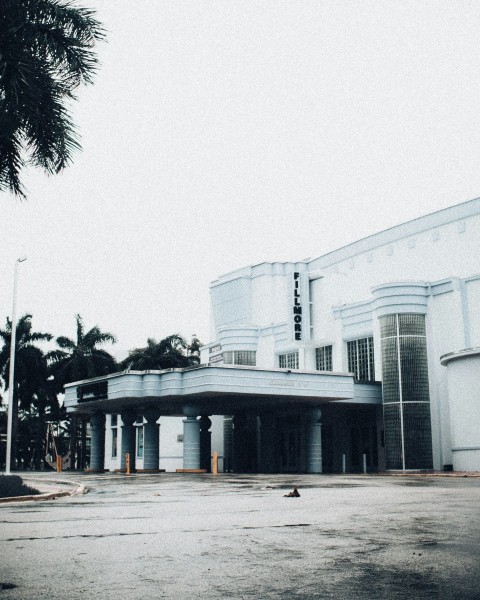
[
  {"x": 23, "y": 512},
  {"x": 395, "y": 580},
  {"x": 83, "y": 535},
  {"x": 278, "y": 526},
  {"x": 415, "y": 483},
  {"x": 7, "y": 586},
  {"x": 319, "y": 486},
  {"x": 427, "y": 542}
]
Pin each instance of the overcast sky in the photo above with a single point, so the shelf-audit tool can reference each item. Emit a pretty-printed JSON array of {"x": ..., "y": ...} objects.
[{"x": 224, "y": 133}]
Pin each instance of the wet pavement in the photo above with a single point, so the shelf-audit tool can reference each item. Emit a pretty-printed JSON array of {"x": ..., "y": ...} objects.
[{"x": 206, "y": 537}]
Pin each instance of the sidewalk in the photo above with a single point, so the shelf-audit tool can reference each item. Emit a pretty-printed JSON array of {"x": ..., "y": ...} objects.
[{"x": 49, "y": 488}]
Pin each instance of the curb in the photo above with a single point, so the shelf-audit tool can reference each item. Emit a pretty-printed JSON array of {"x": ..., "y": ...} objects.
[
  {"x": 80, "y": 489},
  {"x": 428, "y": 474}
]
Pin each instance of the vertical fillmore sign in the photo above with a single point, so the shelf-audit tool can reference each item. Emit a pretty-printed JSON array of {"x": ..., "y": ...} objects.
[{"x": 297, "y": 307}]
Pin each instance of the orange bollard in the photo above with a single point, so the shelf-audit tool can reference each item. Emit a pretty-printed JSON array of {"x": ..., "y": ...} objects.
[
  {"x": 127, "y": 463},
  {"x": 215, "y": 463},
  {"x": 59, "y": 463}
]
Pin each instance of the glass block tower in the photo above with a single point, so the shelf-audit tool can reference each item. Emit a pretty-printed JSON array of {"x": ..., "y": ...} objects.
[{"x": 406, "y": 399}]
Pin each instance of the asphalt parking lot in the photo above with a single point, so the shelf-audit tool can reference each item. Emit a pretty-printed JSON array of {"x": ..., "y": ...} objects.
[{"x": 203, "y": 537}]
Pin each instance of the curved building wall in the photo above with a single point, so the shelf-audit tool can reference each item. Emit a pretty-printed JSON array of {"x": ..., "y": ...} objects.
[{"x": 463, "y": 375}]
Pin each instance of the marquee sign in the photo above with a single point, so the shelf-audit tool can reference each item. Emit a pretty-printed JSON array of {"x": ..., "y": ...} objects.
[
  {"x": 297, "y": 307},
  {"x": 216, "y": 354}
]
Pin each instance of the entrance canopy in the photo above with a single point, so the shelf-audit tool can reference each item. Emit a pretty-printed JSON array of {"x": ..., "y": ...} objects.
[{"x": 215, "y": 390}]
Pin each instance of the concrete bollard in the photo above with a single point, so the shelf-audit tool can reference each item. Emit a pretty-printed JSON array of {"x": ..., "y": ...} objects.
[
  {"x": 364, "y": 456},
  {"x": 344, "y": 463}
]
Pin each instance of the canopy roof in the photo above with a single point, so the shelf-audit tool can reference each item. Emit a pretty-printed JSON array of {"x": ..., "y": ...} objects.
[{"x": 215, "y": 390}]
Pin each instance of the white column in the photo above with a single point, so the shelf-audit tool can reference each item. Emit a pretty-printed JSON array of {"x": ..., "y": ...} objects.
[{"x": 191, "y": 438}]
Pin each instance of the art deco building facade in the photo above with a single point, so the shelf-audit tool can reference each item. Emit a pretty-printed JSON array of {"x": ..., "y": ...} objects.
[
  {"x": 399, "y": 307},
  {"x": 366, "y": 358}
]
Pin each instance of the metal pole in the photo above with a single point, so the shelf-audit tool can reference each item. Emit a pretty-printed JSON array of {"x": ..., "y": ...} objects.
[{"x": 11, "y": 377}]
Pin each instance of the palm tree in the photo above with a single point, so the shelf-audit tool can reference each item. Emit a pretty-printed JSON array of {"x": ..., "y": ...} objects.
[
  {"x": 168, "y": 353},
  {"x": 46, "y": 52},
  {"x": 80, "y": 359},
  {"x": 32, "y": 388},
  {"x": 194, "y": 349}
]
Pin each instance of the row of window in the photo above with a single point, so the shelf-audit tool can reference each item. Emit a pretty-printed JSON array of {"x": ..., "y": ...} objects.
[
  {"x": 323, "y": 359},
  {"x": 240, "y": 357},
  {"x": 361, "y": 359}
]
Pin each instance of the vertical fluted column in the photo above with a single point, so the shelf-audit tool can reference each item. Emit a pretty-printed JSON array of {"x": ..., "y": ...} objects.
[
  {"x": 97, "y": 448},
  {"x": 205, "y": 444},
  {"x": 191, "y": 438},
  {"x": 151, "y": 433},
  {"x": 128, "y": 438},
  {"x": 314, "y": 442}
]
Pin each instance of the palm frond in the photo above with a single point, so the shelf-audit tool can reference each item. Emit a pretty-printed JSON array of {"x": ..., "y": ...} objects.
[
  {"x": 11, "y": 154},
  {"x": 65, "y": 343},
  {"x": 46, "y": 51},
  {"x": 96, "y": 337}
]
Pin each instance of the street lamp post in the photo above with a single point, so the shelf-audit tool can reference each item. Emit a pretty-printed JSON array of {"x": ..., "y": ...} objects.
[{"x": 11, "y": 378}]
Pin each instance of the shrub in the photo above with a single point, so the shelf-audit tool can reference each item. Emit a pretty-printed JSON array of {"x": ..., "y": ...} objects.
[{"x": 12, "y": 485}]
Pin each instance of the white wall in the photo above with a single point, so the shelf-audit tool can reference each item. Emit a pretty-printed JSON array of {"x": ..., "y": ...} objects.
[
  {"x": 464, "y": 396},
  {"x": 473, "y": 308}
]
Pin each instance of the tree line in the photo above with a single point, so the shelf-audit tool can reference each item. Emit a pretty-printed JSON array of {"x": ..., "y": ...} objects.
[{"x": 40, "y": 377}]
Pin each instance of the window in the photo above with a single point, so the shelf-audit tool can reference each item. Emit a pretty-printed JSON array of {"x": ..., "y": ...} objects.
[
  {"x": 288, "y": 361},
  {"x": 405, "y": 390},
  {"x": 114, "y": 441},
  {"x": 240, "y": 357},
  {"x": 361, "y": 359},
  {"x": 323, "y": 358},
  {"x": 140, "y": 441}
]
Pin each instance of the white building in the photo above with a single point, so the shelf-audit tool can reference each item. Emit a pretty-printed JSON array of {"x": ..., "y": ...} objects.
[
  {"x": 407, "y": 298},
  {"x": 299, "y": 348}
]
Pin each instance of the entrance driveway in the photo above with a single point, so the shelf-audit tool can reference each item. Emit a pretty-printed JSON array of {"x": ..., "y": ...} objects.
[{"x": 229, "y": 536}]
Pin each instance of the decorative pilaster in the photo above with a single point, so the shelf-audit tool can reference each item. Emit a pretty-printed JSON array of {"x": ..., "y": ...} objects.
[
  {"x": 314, "y": 442},
  {"x": 151, "y": 433},
  {"x": 128, "y": 438},
  {"x": 97, "y": 449},
  {"x": 191, "y": 438}
]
